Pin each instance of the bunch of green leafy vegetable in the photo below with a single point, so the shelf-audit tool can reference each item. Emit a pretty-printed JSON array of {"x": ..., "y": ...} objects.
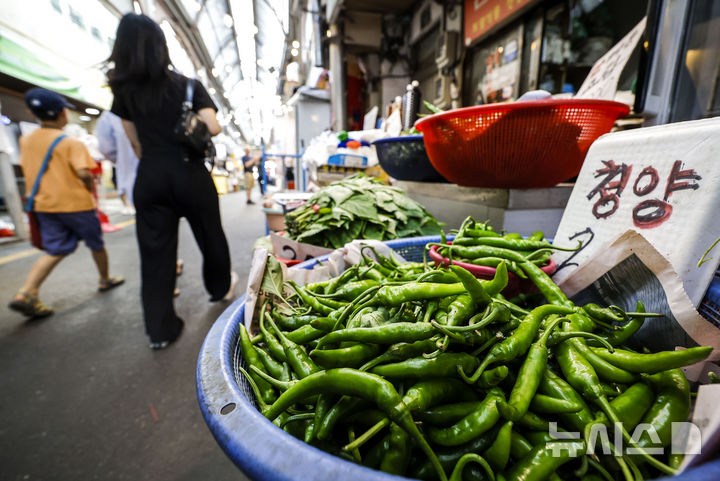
[{"x": 358, "y": 207}]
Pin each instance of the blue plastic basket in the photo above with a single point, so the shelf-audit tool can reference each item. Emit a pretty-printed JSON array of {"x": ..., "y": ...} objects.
[
  {"x": 259, "y": 448},
  {"x": 404, "y": 158},
  {"x": 265, "y": 452}
]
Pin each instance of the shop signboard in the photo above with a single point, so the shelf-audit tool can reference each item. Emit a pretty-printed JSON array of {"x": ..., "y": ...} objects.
[
  {"x": 481, "y": 16},
  {"x": 661, "y": 182}
]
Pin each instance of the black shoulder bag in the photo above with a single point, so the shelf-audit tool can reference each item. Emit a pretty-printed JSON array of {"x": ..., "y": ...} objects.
[{"x": 191, "y": 131}]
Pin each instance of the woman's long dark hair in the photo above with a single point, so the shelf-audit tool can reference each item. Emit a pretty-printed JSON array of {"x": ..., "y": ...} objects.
[{"x": 141, "y": 72}]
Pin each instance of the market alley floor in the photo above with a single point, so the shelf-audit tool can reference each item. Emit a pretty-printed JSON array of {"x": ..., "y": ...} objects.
[{"x": 82, "y": 397}]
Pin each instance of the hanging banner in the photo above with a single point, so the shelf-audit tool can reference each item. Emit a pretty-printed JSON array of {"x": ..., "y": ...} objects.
[{"x": 483, "y": 15}]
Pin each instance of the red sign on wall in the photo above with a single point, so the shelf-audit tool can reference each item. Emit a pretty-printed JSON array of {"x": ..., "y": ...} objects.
[{"x": 482, "y": 15}]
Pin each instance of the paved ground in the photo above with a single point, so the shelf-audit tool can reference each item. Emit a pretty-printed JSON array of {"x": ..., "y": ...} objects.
[{"x": 82, "y": 396}]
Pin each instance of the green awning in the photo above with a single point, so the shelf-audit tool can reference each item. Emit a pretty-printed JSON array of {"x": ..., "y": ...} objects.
[{"x": 21, "y": 63}]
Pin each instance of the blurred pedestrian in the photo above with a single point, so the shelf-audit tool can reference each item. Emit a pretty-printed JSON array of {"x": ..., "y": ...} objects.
[
  {"x": 248, "y": 164},
  {"x": 115, "y": 146},
  {"x": 57, "y": 176},
  {"x": 171, "y": 181}
]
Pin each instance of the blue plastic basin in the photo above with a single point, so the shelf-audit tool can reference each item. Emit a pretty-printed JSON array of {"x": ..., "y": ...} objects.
[{"x": 265, "y": 452}]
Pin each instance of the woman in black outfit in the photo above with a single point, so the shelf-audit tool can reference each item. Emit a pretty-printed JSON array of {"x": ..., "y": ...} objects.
[{"x": 170, "y": 183}]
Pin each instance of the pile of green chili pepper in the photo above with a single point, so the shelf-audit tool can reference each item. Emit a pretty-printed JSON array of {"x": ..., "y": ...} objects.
[
  {"x": 432, "y": 374},
  {"x": 478, "y": 244}
]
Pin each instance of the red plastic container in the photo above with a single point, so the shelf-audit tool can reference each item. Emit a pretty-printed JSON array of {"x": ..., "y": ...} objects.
[
  {"x": 520, "y": 145},
  {"x": 515, "y": 285}
]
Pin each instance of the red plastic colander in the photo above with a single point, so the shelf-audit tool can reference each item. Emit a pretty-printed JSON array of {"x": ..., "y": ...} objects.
[{"x": 520, "y": 145}]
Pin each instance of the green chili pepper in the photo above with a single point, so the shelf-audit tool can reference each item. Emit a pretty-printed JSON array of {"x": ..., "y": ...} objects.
[
  {"x": 415, "y": 291},
  {"x": 449, "y": 457},
  {"x": 387, "y": 334},
  {"x": 447, "y": 414},
  {"x": 621, "y": 336},
  {"x": 519, "y": 446},
  {"x": 371, "y": 273},
  {"x": 477, "y": 251},
  {"x": 630, "y": 406},
  {"x": 672, "y": 404},
  {"x": 304, "y": 334},
  {"x": 322, "y": 406},
  {"x": 544, "y": 460},
  {"x": 656, "y": 362},
  {"x": 360, "y": 384},
  {"x": 375, "y": 454},
  {"x": 296, "y": 356},
  {"x": 311, "y": 301},
  {"x": 555, "y": 386},
  {"x": 430, "y": 310},
  {"x": 518, "y": 244},
  {"x": 518, "y": 343},
  {"x": 349, "y": 273},
  {"x": 271, "y": 342},
  {"x": 581, "y": 375},
  {"x": 550, "y": 405},
  {"x": 338, "y": 411},
  {"x": 495, "y": 262},
  {"x": 480, "y": 297},
  {"x": 444, "y": 303},
  {"x": 317, "y": 287},
  {"x": 274, "y": 368},
  {"x": 533, "y": 422},
  {"x": 401, "y": 351},
  {"x": 251, "y": 358},
  {"x": 324, "y": 324},
  {"x": 545, "y": 285},
  {"x": 351, "y": 356},
  {"x": 290, "y": 323},
  {"x": 459, "y": 311},
  {"x": 603, "y": 314},
  {"x": 472, "y": 425},
  {"x": 445, "y": 364},
  {"x": 495, "y": 312},
  {"x": 421, "y": 395},
  {"x": 457, "y": 474},
  {"x": 528, "y": 378},
  {"x": 498, "y": 454},
  {"x": 397, "y": 456},
  {"x": 604, "y": 369},
  {"x": 352, "y": 290},
  {"x": 481, "y": 232}
]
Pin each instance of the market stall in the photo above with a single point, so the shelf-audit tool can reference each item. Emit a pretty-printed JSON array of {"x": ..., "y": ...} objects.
[
  {"x": 506, "y": 309},
  {"x": 469, "y": 355}
]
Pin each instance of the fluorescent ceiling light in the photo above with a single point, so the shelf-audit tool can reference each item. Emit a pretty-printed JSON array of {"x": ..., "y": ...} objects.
[
  {"x": 92, "y": 111},
  {"x": 85, "y": 118}
]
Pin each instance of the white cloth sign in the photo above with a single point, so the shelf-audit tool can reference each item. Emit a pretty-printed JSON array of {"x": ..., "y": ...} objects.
[{"x": 663, "y": 182}]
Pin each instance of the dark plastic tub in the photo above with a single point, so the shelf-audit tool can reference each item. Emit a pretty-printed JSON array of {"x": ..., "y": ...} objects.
[{"x": 404, "y": 158}]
